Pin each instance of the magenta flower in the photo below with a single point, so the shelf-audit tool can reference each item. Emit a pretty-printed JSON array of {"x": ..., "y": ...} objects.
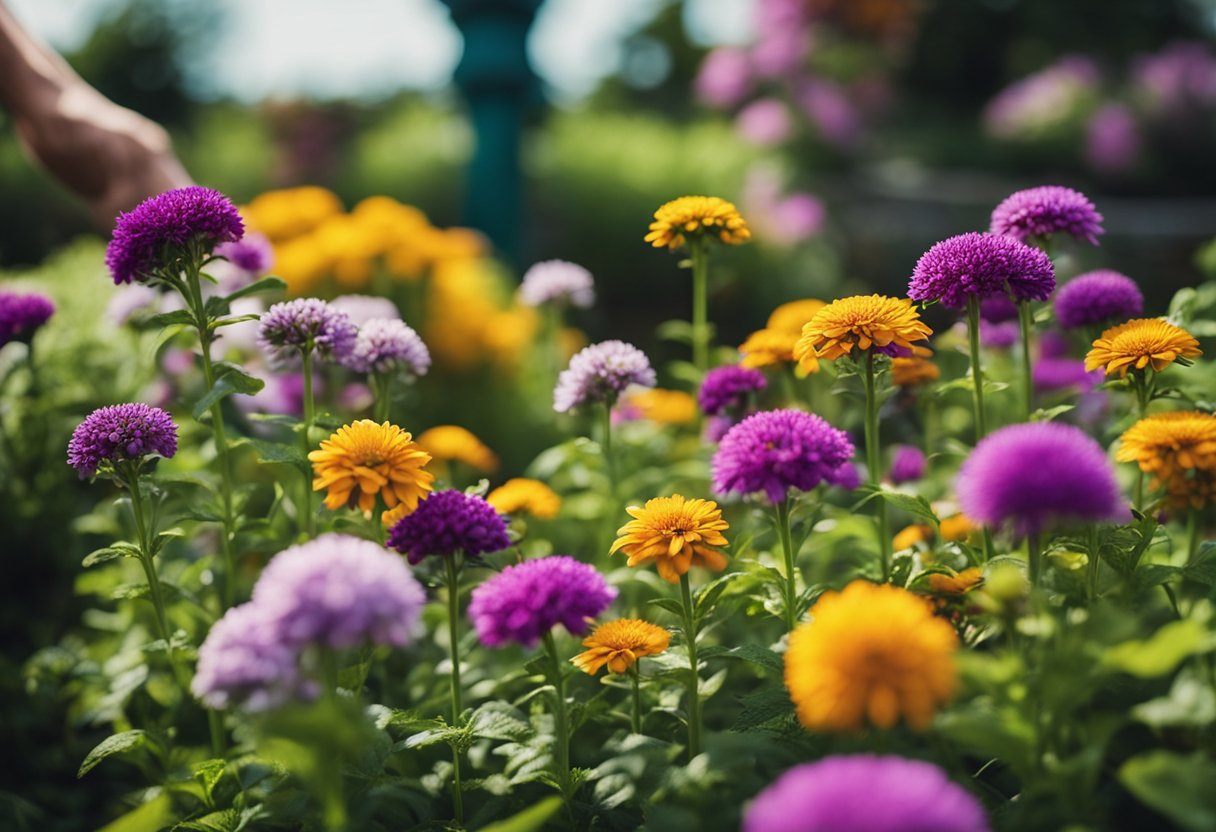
[
  {"x": 121, "y": 433},
  {"x": 981, "y": 266},
  {"x": 158, "y": 231},
  {"x": 22, "y": 315},
  {"x": 1041, "y": 213},
  {"x": 447, "y": 522},
  {"x": 727, "y": 389},
  {"x": 527, "y": 600},
  {"x": 907, "y": 464},
  {"x": 1098, "y": 298},
  {"x": 776, "y": 450}
]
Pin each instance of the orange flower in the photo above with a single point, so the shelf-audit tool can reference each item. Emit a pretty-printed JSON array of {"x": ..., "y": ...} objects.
[
  {"x": 793, "y": 316},
  {"x": 913, "y": 370},
  {"x": 957, "y": 584},
  {"x": 674, "y": 534},
  {"x": 1141, "y": 343},
  {"x": 452, "y": 443},
  {"x": 697, "y": 216},
  {"x": 619, "y": 644},
  {"x": 863, "y": 321},
  {"x": 766, "y": 347},
  {"x": 364, "y": 460},
  {"x": 524, "y": 496},
  {"x": 1179, "y": 450}
]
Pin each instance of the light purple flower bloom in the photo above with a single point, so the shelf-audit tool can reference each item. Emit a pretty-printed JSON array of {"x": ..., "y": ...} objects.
[
  {"x": 1000, "y": 336},
  {"x": 846, "y": 476},
  {"x": 527, "y": 600},
  {"x": 447, "y": 522},
  {"x": 829, "y": 108},
  {"x": 121, "y": 433},
  {"x": 22, "y": 315},
  {"x": 907, "y": 464},
  {"x": 243, "y": 662},
  {"x": 1041, "y": 213},
  {"x": 363, "y": 308},
  {"x": 776, "y": 450},
  {"x": 557, "y": 281},
  {"x": 1039, "y": 474},
  {"x": 1053, "y": 344},
  {"x": 388, "y": 344},
  {"x": 1112, "y": 139},
  {"x": 998, "y": 309},
  {"x": 339, "y": 591},
  {"x": 247, "y": 259},
  {"x": 1178, "y": 79},
  {"x": 725, "y": 77},
  {"x": 1054, "y": 374},
  {"x": 1097, "y": 298},
  {"x": 1043, "y": 100},
  {"x": 785, "y": 220},
  {"x": 865, "y": 793},
  {"x": 283, "y": 394},
  {"x": 600, "y": 373},
  {"x": 981, "y": 266},
  {"x": 728, "y": 389},
  {"x": 764, "y": 122},
  {"x": 290, "y": 327}
]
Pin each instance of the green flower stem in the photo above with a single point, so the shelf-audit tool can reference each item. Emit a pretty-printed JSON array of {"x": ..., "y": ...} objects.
[
  {"x": 635, "y": 722},
  {"x": 610, "y": 501},
  {"x": 1144, "y": 395},
  {"x": 1026, "y": 324},
  {"x": 1095, "y": 559},
  {"x": 694, "y": 679},
  {"x": 561, "y": 727},
  {"x": 977, "y": 372},
  {"x": 700, "y": 305},
  {"x": 383, "y": 396},
  {"x": 791, "y": 567},
  {"x": 553, "y": 340},
  {"x": 873, "y": 456},
  {"x": 453, "y": 585},
  {"x": 308, "y": 520},
  {"x": 1034, "y": 558},
  {"x": 1192, "y": 535}
]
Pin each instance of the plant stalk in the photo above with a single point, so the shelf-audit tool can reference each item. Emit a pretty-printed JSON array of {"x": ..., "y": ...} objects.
[
  {"x": 873, "y": 464},
  {"x": 791, "y": 567},
  {"x": 453, "y": 585},
  {"x": 694, "y": 677}
]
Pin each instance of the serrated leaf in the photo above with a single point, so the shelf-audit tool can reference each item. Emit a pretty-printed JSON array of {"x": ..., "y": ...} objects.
[
  {"x": 763, "y": 707},
  {"x": 431, "y": 736},
  {"x": 1202, "y": 568},
  {"x": 114, "y": 744},
  {"x": 499, "y": 721},
  {"x": 122, "y": 549},
  {"x": 178, "y": 317},
  {"x": 671, "y": 605},
  {"x": 757, "y": 655}
]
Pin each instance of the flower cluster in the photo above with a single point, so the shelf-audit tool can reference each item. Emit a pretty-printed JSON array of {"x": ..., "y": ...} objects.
[
  {"x": 981, "y": 266},
  {"x": 306, "y": 324},
  {"x": 22, "y": 315},
  {"x": 385, "y": 345},
  {"x": 777, "y": 450},
  {"x": 600, "y": 373},
  {"x": 557, "y": 281},
  {"x": 1041, "y": 213},
  {"x": 447, "y": 522},
  {"x": 121, "y": 433},
  {"x": 156, "y": 234}
]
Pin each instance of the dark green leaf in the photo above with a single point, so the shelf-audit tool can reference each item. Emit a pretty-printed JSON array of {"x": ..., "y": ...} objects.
[
  {"x": 530, "y": 819},
  {"x": 757, "y": 655},
  {"x": 270, "y": 283},
  {"x": 178, "y": 317},
  {"x": 111, "y": 745},
  {"x": 671, "y": 605},
  {"x": 121, "y": 549},
  {"x": 763, "y": 707},
  {"x": 1178, "y": 786},
  {"x": 1202, "y": 568}
]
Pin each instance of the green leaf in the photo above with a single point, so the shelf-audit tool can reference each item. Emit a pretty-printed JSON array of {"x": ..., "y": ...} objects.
[
  {"x": 270, "y": 283},
  {"x": 178, "y": 317},
  {"x": 1202, "y": 568},
  {"x": 236, "y": 319},
  {"x": 115, "y": 744},
  {"x": 763, "y": 707},
  {"x": 530, "y": 819},
  {"x": 285, "y": 453},
  {"x": 1047, "y": 415},
  {"x": 234, "y": 380},
  {"x": 500, "y": 721},
  {"x": 122, "y": 549},
  {"x": 916, "y": 506},
  {"x": 1160, "y": 654},
  {"x": 1176, "y": 785},
  {"x": 708, "y": 595},
  {"x": 670, "y": 604},
  {"x": 209, "y": 773},
  {"x": 152, "y": 816},
  {"x": 679, "y": 331},
  {"x": 757, "y": 655}
]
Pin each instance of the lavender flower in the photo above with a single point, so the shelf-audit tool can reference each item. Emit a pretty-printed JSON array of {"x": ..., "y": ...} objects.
[
  {"x": 907, "y": 464},
  {"x": 447, "y": 522},
  {"x": 600, "y": 373},
  {"x": 525, "y": 601},
  {"x": 1098, "y": 298},
  {"x": 22, "y": 315},
  {"x": 363, "y": 308},
  {"x": 1053, "y": 374},
  {"x": 243, "y": 662},
  {"x": 557, "y": 281},
  {"x": 776, "y": 450},
  {"x": 121, "y": 433},
  {"x": 1041, "y": 213},
  {"x": 846, "y": 476},
  {"x": 1043, "y": 100},
  {"x": 1112, "y": 139},
  {"x": 728, "y": 388},
  {"x": 387, "y": 344},
  {"x": 865, "y": 793},
  {"x": 765, "y": 122},
  {"x": 999, "y": 336},
  {"x": 724, "y": 78},
  {"x": 1032, "y": 476},
  {"x": 158, "y": 232},
  {"x": 981, "y": 266},
  {"x": 252, "y": 254},
  {"x": 998, "y": 309},
  {"x": 339, "y": 591},
  {"x": 290, "y": 327}
]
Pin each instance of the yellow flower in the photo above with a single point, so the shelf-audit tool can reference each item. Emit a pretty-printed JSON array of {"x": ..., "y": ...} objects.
[
  {"x": 675, "y": 534},
  {"x": 862, "y": 321},
  {"x": 452, "y": 443},
  {"x": 793, "y": 316},
  {"x": 913, "y": 370},
  {"x": 957, "y": 584},
  {"x": 1179, "y": 450},
  {"x": 389, "y": 518},
  {"x": 910, "y": 536},
  {"x": 870, "y": 655},
  {"x": 288, "y": 213},
  {"x": 767, "y": 347},
  {"x": 666, "y": 407},
  {"x": 619, "y": 644},
  {"x": 1141, "y": 343},
  {"x": 524, "y": 496},
  {"x": 957, "y": 528},
  {"x": 708, "y": 216},
  {"x": 363, "y": 460}
]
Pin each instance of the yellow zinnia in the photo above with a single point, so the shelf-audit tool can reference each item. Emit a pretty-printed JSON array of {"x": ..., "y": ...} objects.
[
  {"x": 363, "y": 460},
  {"x": 910, "y": 536},
  {"x": 665, "y": 407},
  {"x": 913, "y": 370},
  {"x": 1141, "y": 343},
  {"x": 957, "y": 528},
  {"x": 870, "y": 655},
  {"x": 793, "y": 316},
  {"x": 675, "y": 534},
  {"x": 767, "y": 347},
  {"x": 695, "y": 216},
  {"x": 525, "y": 496},
  {"x": 959, "y": 583},
  {"x": 862, "y": 321},
  {"x": 1179, "y": 450},
  {"x": 452, "y": 443},
  {"x": 619, "y": 644}
]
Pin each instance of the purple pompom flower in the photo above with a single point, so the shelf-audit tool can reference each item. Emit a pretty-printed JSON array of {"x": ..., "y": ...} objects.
[
  {"x": 846, "y": 476},
  {"x": 252, "y": 254},
  {"x": 1098, "y": 298},
  {"x": 1041, "y": 213},
  {"x": 600, "y": 373},
  {"x": 525, "y": 601},
  {"x": 339, "y": 591},
  {"x": 243, "y": 662},
  {"x": 121, "y": 433},
  {"x": 726, "y": 389},
  {"x": 21, "y": 315},
  {"x": 776, "y": 450},
  {"x": 1036, "y": 475},
  {"x": 385, "y": 345},
  {"x": 447, "y": 522},
  {"x": 865, "y": 793},
  {"x": 981, "y": 266},
  {"x": 363, "y": 308},
  {"x": 998, "y": 309},
  {"x": 291, "y": 327},
  {"x": 1000, "y": 336},
  {"x": 557, "y": 281},
  {"x": 907, "y": 464},
  {"x": 159, "y": 231},
  {"x": 1054, "y": 374}
]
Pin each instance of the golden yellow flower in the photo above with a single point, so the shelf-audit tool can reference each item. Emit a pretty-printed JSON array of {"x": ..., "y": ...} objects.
[
  {"x": 675, "y": 534},
  {"x": 288, "y": 213},
  {"x": 910, "y": 536},
  {"x": 957, "y": 528},
  {"x": 1179, "y": 450},
  {"x": 862, "y": 321},
  {"x": 1141, "y": 343},
  {"x": 619, "y": 644},
  {"x": 452, "y": 443},
  {"x": 870, "y": 655},
  {"x": 767, "y": 347},
  {"x": 957, "y": 584},
  {"x": 708, "y": 216},
  {"x": 389, "y": 518},
  {"x": 363, "y": 460},
  {"x": 509, "y": 334},
  {"x": 913, "y": 370},
  {"x": 793, "y": 316},
  {"x": 666, "y": 407},
  {"x": 525, "y": 496}
]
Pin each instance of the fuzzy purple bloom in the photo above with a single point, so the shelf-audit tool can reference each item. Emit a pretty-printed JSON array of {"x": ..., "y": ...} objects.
[
  {"x": 1039, "y": 474},
  {"x": 1053, "y": 344},
  {"x": 290, "y": 327},
  {"x": 120, "y": 433},
  {"x": 998, "y": 309},
  {"x": 339, "y": 591},
  {"x": 999, "y": 336},
  {"x": 557, "y": 281},
  {"x": 447, "y": 522},
  {"x": 1097, "y": 298},
  {"x": 21, "y": 315},
  {"x": 865, "y": 793},
  {"x": 387, "y": 344},
  {"x": 728, "y": 388},
  {"x": 1041, "y": 213},
  {"x": 243, "y": 662},
  {"x": 1053, "y": 374},
  {"x": 981, "y": 266},
  {"x": 164, "y": 225},
  {"x": 846, "y": 476},
  {"x": 600, "y": 373},
  {"x": 907, "y": 464},
  {"x": 252, "y": 254},
  {"x": 1112, "y": 139},
  {"x": 363, "y": 308},
  {"x": 525, "y": 601},
  {"x": 776, "y": 450}
]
